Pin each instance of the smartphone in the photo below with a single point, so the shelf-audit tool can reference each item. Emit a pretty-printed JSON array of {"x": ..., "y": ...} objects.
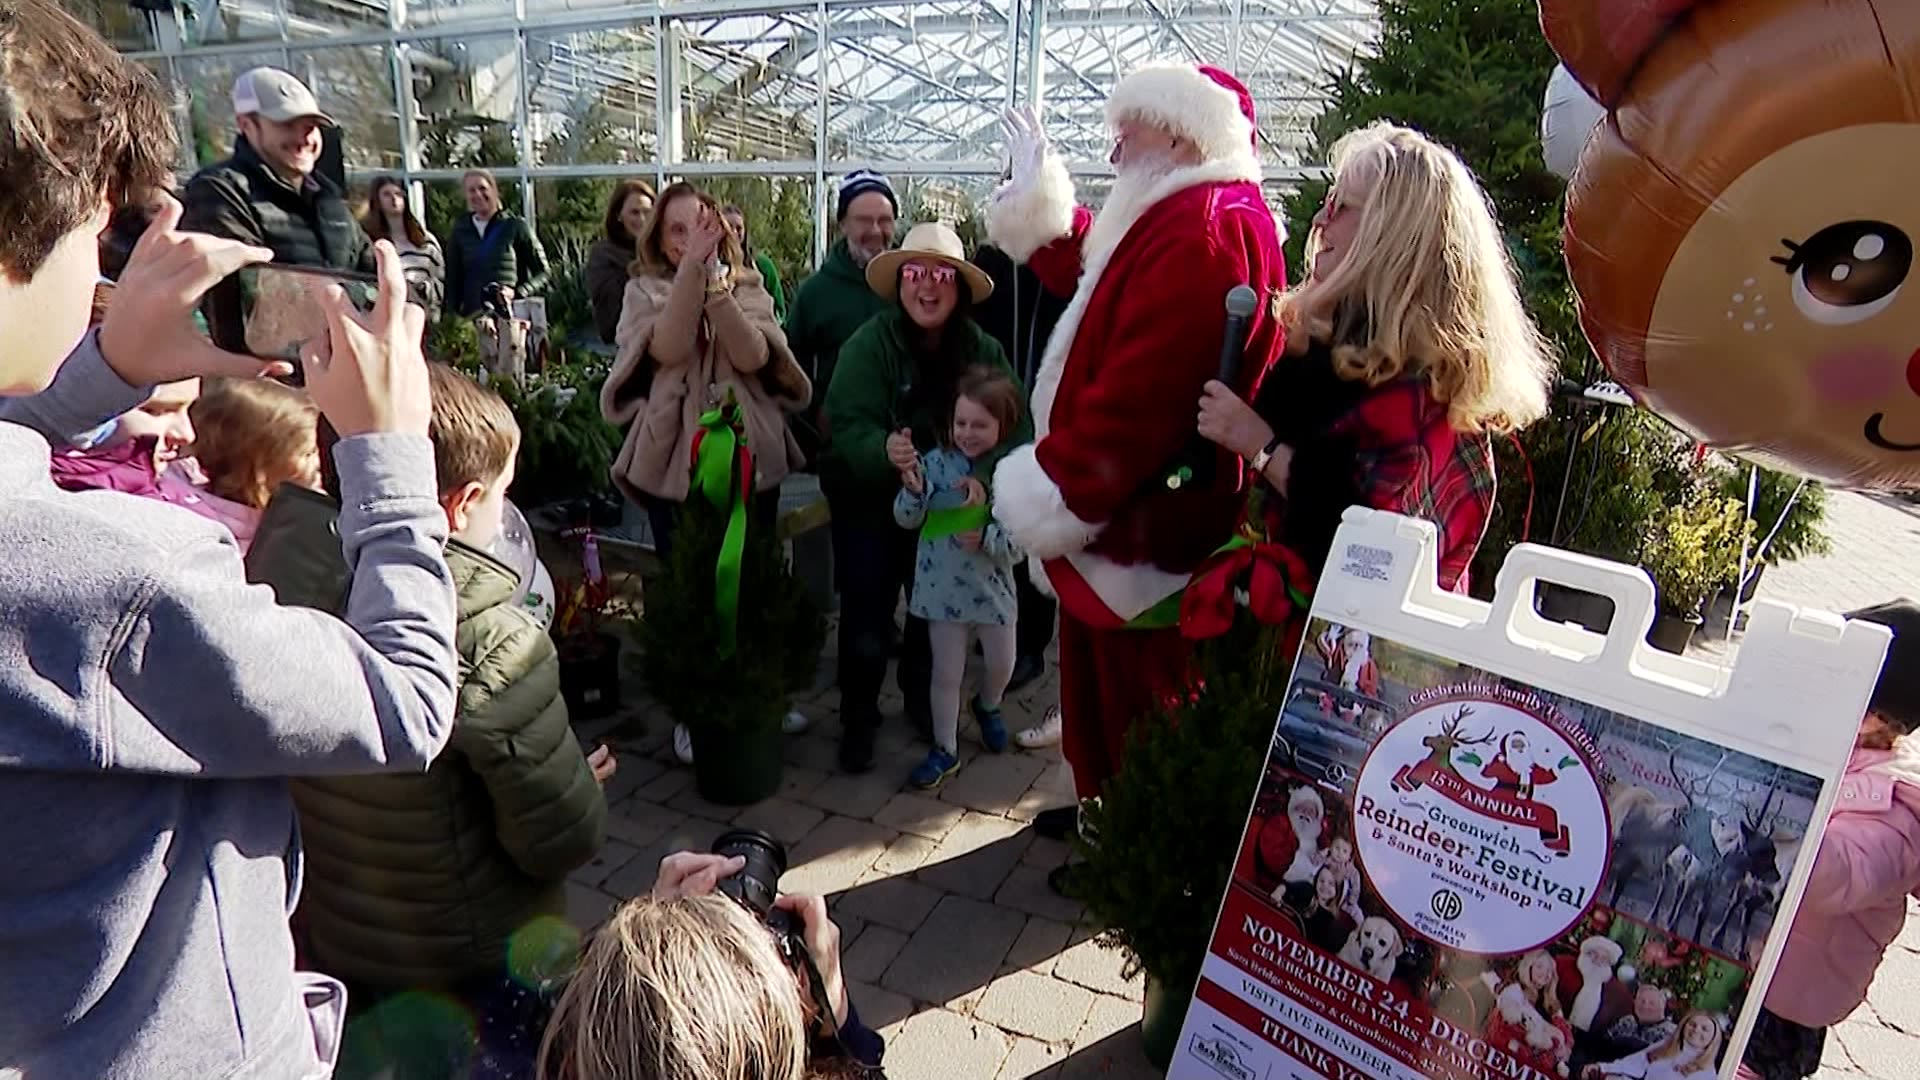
[{"x": 281, "y": 305}]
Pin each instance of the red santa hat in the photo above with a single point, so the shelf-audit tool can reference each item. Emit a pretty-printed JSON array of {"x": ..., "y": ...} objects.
[{"x": 1199, "y": 101}]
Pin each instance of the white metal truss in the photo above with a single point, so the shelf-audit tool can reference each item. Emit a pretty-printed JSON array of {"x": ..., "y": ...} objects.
[{"x": 801, "y": 88}]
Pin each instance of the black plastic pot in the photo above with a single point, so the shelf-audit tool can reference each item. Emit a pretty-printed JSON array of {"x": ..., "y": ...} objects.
[
  {"x": 1161, "y": 1019},
  {"x": 738, "y": 768},
  {"x": 590, "y": 675},
  {"x": 1672, "y": 633},
  {"x": 1560, "y": 604}
]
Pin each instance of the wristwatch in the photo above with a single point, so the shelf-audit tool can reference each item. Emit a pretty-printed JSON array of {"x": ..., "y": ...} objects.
[{"x": 1265, "y": 456}]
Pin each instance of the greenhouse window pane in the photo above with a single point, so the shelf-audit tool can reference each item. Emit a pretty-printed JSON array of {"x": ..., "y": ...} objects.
[
  {"x": 212, "y": 22},
  {"x": 208, "y": 81},
  {"x": 748, "y": 92},
  {"x": 466, "y": 91},
  {"x": 779, "y": 212},
  {"x": 323, "y": 18},
  {"x": 116, "y": 20},
  {"x": 917, "y": 82},
  {"x": 591, "y": 96},
  {"x": 442, "y": 12},
  {"x": 355, "y": 85}
]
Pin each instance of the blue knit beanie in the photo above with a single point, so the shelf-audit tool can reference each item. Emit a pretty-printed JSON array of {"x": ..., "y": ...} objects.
[{"x": 858, "y": 183}]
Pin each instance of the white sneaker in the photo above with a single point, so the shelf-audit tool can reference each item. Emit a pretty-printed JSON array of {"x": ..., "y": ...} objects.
[
  {"x": 683, "y": 744},
  {"x": 796, "y": 723},
  {"x": 1043, "y": 734}
]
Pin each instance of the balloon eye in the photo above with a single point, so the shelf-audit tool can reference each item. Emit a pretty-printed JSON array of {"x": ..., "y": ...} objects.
[{"x": 1849, "y": 272}]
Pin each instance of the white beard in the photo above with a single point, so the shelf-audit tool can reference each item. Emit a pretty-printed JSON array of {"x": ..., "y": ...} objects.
[
  {"x": 1307, "y": 857},
  {"x": 1133, "y": 193}
]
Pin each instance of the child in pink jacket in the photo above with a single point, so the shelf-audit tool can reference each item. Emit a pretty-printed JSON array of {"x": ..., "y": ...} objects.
[{"x": 1868, "y": 863}]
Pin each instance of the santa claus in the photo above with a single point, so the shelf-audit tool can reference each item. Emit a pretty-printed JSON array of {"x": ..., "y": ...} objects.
[
  {"x": 1184, "y": 223},
  {"x": 1513, "y": 769}
]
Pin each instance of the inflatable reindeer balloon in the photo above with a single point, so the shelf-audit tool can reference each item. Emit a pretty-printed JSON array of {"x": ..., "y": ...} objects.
[{"x": 1741, "y": 223}]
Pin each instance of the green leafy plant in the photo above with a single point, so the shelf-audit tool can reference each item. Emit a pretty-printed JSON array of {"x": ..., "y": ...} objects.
[
  {"x": 1799, "y": 534},
  {"x": 569, "y": 304},
  {"x": 1161, "y": 841},
  {"x": 780, "y": 631},
  {"x": 453, "y": 339},
  {"x": 1693, "y": 550},
  {"x": 566, "y": 447}
]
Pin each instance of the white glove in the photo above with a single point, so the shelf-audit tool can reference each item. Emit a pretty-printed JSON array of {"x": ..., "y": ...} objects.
[{"x": 1026, "y": 149}]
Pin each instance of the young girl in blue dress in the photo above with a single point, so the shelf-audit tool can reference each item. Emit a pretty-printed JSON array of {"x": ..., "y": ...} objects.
[{"x": 963, "y": 575}]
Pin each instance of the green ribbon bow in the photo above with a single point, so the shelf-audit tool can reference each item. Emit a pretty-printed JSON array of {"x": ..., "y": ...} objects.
[
  {"x": 953, "y": 521},
  {"x": 722, "y": 473}
]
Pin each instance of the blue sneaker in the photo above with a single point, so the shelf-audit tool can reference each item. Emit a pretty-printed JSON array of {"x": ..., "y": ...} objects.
[
  {"x": 993, "y": 727},
  {"x": 930, "y": 773}
]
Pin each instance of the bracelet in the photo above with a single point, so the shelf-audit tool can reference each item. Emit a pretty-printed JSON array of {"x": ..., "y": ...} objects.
[{"x": 1265, "y": 456}]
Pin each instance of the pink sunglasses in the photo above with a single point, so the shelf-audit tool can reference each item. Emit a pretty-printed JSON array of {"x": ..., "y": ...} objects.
[{"x": 914, "y": 273}]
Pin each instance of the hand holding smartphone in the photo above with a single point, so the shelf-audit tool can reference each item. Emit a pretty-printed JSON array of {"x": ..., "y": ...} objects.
[{"x": 283, "y": 307}]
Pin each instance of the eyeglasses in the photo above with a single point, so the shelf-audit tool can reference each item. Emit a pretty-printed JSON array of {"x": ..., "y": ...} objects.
[{"x": 915, "y": 273}]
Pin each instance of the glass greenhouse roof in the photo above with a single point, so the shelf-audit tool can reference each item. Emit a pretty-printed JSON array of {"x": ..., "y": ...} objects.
[{"x": 746, "y": 86}]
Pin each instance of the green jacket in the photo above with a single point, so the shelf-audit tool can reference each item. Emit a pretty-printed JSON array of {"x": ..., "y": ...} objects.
[
  {"x": 424, "y": 880},
  {"x": 510, "y": 254},
  {"x": 770, "y": 278},
  {"x": 827, "y": 308},
  {"x": 877, "y": 389}
]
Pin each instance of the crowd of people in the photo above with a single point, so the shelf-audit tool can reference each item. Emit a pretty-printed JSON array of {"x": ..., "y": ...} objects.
[{"x": 290, "y": 785}]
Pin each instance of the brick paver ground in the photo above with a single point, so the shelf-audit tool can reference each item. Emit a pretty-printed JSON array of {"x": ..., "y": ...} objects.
[{"x": 954, "y": 947}]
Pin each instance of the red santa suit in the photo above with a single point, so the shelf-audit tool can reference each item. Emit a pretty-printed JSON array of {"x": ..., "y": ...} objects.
[{"x": 1118, "y": 389}]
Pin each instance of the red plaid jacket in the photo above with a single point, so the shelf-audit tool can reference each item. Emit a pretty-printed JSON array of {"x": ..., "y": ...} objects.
[{"x": 1412, "y": 462}]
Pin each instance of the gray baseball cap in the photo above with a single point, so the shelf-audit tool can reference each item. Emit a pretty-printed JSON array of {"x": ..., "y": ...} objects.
[{"x": 276, "y": 95}]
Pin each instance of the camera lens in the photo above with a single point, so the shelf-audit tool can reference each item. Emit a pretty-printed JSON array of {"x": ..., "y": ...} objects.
[{"x": 758, "y": 882}]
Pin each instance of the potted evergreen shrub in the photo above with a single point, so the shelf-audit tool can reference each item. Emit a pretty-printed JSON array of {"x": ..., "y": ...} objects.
[
  {"x": 1160, "y": 843},
  {"x": 732, "y": 699},
  {"x": 1694, "y": 547}
]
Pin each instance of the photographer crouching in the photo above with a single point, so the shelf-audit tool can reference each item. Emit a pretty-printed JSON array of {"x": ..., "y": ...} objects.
[{"x": 716, "y": 975}]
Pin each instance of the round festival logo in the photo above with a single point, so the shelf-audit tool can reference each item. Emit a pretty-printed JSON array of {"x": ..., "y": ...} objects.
[{"x": 1480, "y": 820}]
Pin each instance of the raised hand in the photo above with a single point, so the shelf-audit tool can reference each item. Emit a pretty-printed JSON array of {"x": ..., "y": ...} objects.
[
  {"x": 972, "y": 491},
  {"x": 148, "y": 336},
  {"x": 900, "y": 451},
  {"x": 692, "y": 873},
  {"x": 1026, "y": 145},
  {"x": 368, "y": 373}
]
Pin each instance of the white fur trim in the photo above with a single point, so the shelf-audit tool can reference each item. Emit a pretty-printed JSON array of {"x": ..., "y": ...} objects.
[
  {"x": 1127, "y": 591},
  {"x": 1176, "y": 96},
  {"x": 1037, "y": 577},
  {"x": 1022, "y": 219},
  {"x": 1109, "y": 228},
  {"x": 1029, "y": 505}
]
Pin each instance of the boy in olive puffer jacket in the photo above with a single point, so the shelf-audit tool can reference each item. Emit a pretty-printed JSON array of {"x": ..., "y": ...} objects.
[{"x": 452, "y": 881}]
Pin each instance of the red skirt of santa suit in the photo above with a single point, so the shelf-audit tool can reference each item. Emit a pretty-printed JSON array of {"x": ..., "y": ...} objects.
[{"x": 1108, "y": 680}]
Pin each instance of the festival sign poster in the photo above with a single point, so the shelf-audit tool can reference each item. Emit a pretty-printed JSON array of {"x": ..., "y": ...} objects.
[{"x": 1449, "y": 873}]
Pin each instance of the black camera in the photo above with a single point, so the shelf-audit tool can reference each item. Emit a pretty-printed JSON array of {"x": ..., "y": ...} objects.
[
  {"x": 757, "y": 884},
  {"x": 755, "y": 888}
]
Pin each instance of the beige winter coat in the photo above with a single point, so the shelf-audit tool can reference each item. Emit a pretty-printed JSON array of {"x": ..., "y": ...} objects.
[{"x": 661, "y": 323}]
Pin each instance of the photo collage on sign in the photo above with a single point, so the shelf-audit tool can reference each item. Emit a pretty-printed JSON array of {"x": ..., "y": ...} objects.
[{"x": 1552, "y": 888}]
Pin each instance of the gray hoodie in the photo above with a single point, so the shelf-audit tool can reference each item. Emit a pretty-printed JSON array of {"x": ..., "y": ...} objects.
[{"x": 150, "y": 704}]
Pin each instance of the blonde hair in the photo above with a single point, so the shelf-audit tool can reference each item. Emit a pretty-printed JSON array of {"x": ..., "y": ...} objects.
[
  {"x": 1425, "y": 286},
  {"x": 1549, "y": 1002},
  {"x": 251, "y": 436},
  {"x": 1676, "y": 1043},
  {"x": 652, "y": 254},
  {"x": 688, "y": 989}
]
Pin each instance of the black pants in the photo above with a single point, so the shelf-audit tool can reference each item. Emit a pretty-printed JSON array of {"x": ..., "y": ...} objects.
[
  {"x": 764, "y": 508},
  {"x": 1037, "y": 610},
  {"x": 872, "y": 564},
  {"x": 1783, "y": 1050}
]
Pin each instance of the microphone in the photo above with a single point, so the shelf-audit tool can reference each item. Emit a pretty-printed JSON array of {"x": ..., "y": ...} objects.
[{"x": 1195, "y": 465}]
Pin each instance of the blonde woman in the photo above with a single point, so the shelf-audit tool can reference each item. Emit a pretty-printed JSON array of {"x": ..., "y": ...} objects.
[
  {"x": 1690, "y": 1053},
  {"x": 1408, "y": 350},
  {"x": 695, "y": 324},
  {"x": 686, "y": 984}
]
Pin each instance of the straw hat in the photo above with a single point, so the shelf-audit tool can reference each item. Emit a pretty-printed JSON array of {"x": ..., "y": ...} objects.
[{"x": 931, "y": 242}]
